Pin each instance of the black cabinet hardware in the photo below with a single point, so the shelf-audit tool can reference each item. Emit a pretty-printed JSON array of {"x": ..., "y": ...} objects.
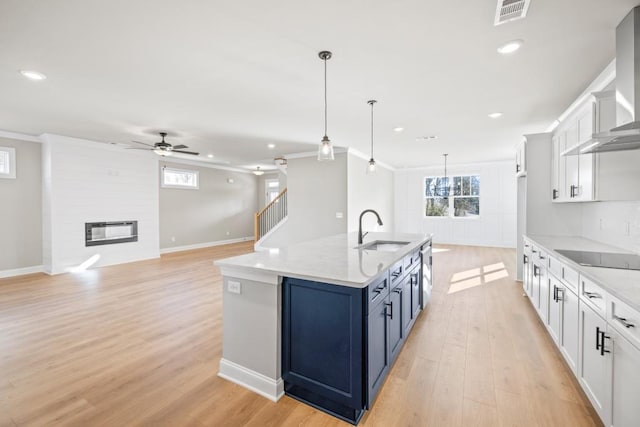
[
  {"x": 554, "y": 194},
  {"x": 591, "y": 295},
  {"x": 536, "y": 271},
  {"x": 389, "y": 312},
  {"x": 624, "y": 321},
  {"x": 597, "y": 338}
]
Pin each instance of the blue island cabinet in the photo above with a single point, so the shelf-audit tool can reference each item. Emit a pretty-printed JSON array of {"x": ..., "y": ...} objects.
[{"x": 339, "y": 342}]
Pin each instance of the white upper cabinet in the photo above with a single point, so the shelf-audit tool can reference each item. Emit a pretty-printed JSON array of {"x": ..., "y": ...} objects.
[
  {"x": 521, "y": 159},
  {"x": 574, "y": 177}
]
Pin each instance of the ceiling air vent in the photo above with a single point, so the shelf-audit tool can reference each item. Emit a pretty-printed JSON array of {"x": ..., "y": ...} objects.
[{"x": 510, "y": 10}]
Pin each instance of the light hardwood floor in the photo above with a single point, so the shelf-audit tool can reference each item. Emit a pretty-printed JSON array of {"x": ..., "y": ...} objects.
[{"x": 139, "y": 344}]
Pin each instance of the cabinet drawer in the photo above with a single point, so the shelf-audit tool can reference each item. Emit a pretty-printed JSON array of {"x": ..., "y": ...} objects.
[
  {"x": 377, "y": 291},
  {"x": 411, "y": 260},
  {"x": 625, "y": 319},
  {"x": 543, "y": 259},
  {"x": 593, "y": 295},
  {"x": 569, "y": 276},
  {"x": 396, "y": 272}
]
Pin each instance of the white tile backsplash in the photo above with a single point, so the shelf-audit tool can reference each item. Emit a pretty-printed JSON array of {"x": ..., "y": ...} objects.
[{"x": 613, "y": 223}]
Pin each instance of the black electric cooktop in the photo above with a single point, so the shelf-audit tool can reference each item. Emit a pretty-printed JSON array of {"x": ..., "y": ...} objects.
[{"x": 603, "y": 259}]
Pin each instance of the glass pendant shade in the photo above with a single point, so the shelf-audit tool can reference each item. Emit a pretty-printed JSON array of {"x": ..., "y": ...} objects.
[
  {"x": 371, "y": 168},
  {"x": 325, "y": 150},
  {"x": 258, "y": 171},
  {"x": 162, "y": 153}
]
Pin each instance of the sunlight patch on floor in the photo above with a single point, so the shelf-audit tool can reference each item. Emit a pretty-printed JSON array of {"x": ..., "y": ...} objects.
[{"x": 468, "y": 279}]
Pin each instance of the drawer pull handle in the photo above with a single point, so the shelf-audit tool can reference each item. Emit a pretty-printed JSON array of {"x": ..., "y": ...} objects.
[
  {"x": 398, "y": 290},
  {"x": 592, "y": 295},
  {"x": 389, "y": 312},
  {"x": 624, "y": 322}
]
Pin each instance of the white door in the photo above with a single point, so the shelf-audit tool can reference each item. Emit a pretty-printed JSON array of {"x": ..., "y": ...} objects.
[
  {"x": 595, "y": 362},
  {"x": 625, "y": 382},
  {"x": 569, "y": 318},
  {"x": 272, "y": 189}
]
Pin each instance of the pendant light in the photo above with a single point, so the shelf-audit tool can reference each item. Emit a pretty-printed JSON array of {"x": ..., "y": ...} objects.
[
  {"x": 258, "y": 171},
  {"x": 371, "y": 168},
  {"x": 325, "y": 151},
  {"x": 444, "y": 188}
]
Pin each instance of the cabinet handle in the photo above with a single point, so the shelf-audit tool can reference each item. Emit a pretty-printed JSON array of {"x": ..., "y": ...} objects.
[
  {"x": 389, "y": 312},
  {"x": 624, "y": 322},
  {"x": 398, "y": 290},
  {"x": 555, "y": 293},
  {"x": 591, "y": 295},
  {"x": 560, "y": 291},
  {"x": 597, "y": 337},
  {"x": 416, "y": 282},
  {"x": 525, "y": 259},
  {"x": 536, "y": 271},
  {"x": 517, "y": 168},
  {"x": 602, "y": 348},
  {"x": 554, "y": 194}
]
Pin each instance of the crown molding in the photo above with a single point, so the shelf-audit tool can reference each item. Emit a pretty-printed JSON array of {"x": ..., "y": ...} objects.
[{"x": 19, "y": 136}]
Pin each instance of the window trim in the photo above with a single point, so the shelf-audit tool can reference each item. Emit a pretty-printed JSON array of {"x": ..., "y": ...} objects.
[
  {"x": 12, "y": 163},
  {"x": 179, "y": 170},
  {"x": 451, "y": 197}
]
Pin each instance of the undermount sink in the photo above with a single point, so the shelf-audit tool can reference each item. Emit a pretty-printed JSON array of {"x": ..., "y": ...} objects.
[{"x": 383, "y": 245}]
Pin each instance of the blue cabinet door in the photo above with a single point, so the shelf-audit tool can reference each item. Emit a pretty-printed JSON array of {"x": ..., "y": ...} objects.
[
  {"x": 394, "y": 314},
  {"x": 322, "y": 345},
  {"x": 377, "y": 348},
  {"x": 407, "y": 313}
]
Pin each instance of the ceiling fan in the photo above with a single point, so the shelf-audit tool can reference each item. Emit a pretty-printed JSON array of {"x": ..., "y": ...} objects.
[{"x": 163, "y": 148}]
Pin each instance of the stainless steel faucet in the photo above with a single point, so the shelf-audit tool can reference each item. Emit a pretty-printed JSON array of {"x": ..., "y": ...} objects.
[{"x": 360, "y": 235}]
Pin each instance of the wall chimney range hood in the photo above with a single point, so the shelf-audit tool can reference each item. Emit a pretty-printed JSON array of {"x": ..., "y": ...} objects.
[{"x": 626, "y": 135}]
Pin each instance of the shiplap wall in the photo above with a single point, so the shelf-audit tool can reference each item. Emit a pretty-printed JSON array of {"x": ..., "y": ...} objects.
[
  {"x": 85, "y": 181},
  {"x": 496, "y": 225}
]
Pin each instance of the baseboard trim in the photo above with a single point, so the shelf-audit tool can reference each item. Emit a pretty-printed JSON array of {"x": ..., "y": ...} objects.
[
  {"x": 252, "y": 380},
  {"x": 21, "y": 271},
  {"x": 204, "y": 245}
]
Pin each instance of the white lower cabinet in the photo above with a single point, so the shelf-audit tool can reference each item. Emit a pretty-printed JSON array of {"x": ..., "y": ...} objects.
[
  {"x": 543, "y": 293},
  {"x": 595, "y": 361},
  {"x": 625, "y": 382},
  {"x": 554, "y": 308}
]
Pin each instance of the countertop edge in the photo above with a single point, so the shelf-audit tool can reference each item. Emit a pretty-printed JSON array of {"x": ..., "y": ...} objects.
[{"x": 580, "y": 269}]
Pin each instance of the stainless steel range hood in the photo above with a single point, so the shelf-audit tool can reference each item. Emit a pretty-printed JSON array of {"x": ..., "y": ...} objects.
[{"x": 626, "y": 135}]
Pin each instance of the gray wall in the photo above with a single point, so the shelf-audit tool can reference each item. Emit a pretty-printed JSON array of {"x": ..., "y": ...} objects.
[
  {"x": 21, "y": 212},
  {"x": 216, "y": 211},
  {"x": 374, "y": 191}
]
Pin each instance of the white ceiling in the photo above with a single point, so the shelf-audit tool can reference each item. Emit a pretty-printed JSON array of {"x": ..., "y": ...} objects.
[{"x": 230, "y": 77}]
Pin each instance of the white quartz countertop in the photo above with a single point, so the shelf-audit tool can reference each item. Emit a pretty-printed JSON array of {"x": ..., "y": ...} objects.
[
  {"x": 334, "y": 259},
  {"x": 623, "y": 284}
]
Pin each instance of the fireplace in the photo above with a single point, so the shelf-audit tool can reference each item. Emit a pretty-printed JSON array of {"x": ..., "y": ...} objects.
[{"x": 107, "y": 233}]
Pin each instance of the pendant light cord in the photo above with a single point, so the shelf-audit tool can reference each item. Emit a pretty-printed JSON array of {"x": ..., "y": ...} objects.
[
  {"x": 372, "y": 130},
  {"x": 325, "y": 96}
]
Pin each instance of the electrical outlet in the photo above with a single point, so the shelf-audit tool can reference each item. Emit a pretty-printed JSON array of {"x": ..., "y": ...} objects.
[{"x": 234, "y": 287}]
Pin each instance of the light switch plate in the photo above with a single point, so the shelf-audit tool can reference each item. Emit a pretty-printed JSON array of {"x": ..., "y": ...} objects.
[
  {"x": 339, "y": 215},
  {"x": 234, "y": 287}
]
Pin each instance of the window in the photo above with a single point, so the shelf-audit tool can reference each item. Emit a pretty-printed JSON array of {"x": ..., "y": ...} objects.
[
  {"x": 272, "y": 189},
  {"x": 179, "y": 178},
  {"x": 7, "y": 162},
  {"x": 462, "y": 199}
]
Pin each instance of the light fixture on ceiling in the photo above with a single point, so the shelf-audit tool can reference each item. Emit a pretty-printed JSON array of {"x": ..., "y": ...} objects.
[
  {"x": 33, "y": 75},
  {"x": 371, "y": 168},
  {"x": 210, "y": 156},
  {"x": 398, "y": 129},
  {"x": 443, "y": 188},
  {"x": 325, "y": 151},
  {"x": 258, "y": 171},
  {"x": 495, "y": 115},
  {"x": 271, "y": 146},
  {"x": 510, "y": 47},
  {"x": 426, "y": 138},
  {"x": 163, "y": 153}
]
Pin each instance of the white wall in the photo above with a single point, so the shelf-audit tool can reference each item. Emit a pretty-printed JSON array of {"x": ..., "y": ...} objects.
[
  {"x": 496, "y": 225},
  {"x": 613, "y": 223},
  {"x": 373, "y": 191},
  {"x": 85, "y": 181},
  {"x": 217, "y": 211}
]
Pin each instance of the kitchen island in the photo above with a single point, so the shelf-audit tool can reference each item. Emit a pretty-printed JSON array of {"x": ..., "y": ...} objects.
[{"x": 323, "y": 321}]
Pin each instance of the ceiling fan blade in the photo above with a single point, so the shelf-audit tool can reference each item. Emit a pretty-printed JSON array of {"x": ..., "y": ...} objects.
[
  {"x": 136, "y": 148},
  {"x": 143, "y": 143},
  {"x": 185, "y": 152},
  {"x": 179, "y": 147}
]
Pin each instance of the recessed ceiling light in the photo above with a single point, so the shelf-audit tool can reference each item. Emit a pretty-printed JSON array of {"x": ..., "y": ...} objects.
[
  {"x": 398, "y": 129},
  {"x": 427, "y": 138},
  {"x": 495, "y": 115},
  {"x": 271, "y": 146},
  {"x": 210, "y": 156},
  {"x": 510, "y": 47},
  {"x": 33, "y": 75}
]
